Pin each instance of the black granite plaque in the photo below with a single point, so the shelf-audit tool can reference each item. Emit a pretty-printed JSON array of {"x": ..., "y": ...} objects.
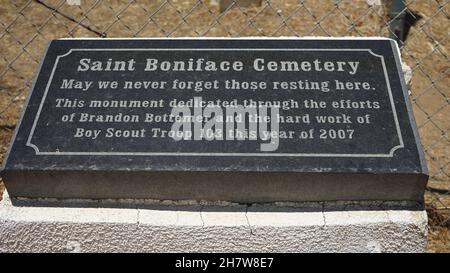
[{"x": 244, "y": 120}]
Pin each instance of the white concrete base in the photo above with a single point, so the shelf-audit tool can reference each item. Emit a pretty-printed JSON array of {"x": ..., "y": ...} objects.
[{"x": 144, "y": 227}]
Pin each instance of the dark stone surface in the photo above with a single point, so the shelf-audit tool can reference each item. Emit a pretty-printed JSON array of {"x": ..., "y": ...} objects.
[{"x": 368, "y": 149}]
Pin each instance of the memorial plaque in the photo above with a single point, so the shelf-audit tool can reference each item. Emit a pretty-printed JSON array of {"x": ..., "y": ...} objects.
[{"x": 247, "y": 120}]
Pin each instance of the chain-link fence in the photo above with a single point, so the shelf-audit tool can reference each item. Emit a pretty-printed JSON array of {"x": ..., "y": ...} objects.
[{"x": 420, "y": 26}]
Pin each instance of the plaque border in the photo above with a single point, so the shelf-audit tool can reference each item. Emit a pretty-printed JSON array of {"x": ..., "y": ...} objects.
[{"x": 390, "y": 154}]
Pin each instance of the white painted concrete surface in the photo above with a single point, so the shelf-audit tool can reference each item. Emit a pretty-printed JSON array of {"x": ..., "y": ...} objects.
[{"x": 133, "y": 226}]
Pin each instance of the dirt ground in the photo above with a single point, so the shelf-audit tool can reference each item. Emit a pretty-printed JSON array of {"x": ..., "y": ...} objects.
[
  {"x": 27, "y": 26},
  {"x": 2, "y": 188}
]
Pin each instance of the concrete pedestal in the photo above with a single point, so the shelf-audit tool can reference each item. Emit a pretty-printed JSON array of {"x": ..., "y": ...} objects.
[{"x": 148, "y": 226}]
